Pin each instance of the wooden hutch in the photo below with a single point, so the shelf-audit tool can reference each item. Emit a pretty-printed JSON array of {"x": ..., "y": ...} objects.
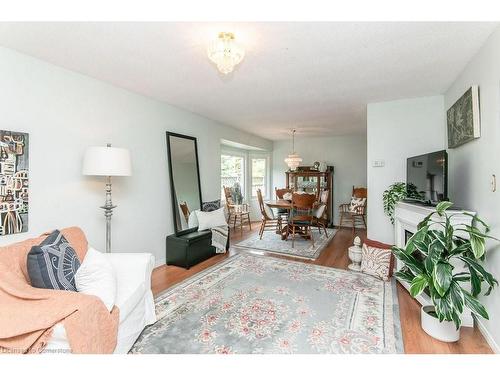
[{"x": 312, "y": 181}]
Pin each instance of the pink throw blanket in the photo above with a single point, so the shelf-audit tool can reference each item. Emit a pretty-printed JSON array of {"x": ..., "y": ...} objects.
[{"x": 28, "y": 314}]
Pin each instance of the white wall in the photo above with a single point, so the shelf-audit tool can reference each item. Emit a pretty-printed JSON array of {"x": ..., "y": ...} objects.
[
  {"x": 64, "y": 112},
  {"x": 346, "y": 153},
  {"x": 397, "y": 130},
  {"x": 471, "y": 165}
]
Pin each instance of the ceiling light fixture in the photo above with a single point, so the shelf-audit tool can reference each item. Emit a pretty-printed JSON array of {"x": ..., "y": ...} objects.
[
  {"x": 293, "y": 160},
  {"x": 225, "y": 52}
]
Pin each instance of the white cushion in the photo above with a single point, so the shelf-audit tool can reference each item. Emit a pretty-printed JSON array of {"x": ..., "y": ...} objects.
[
  {"x": 208, "y": 220},
  {"x": 97, "y": 277},
  {"x": 356, "y": 203},
  {"x": 127, "y": 298},
  {"x": 319, "y": 211},
  {"x": 193, "y": 220},
  {"x": 269, "y": 212}
]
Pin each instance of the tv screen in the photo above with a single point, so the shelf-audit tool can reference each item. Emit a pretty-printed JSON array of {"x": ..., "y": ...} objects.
[{"x": 427, "y": 177}]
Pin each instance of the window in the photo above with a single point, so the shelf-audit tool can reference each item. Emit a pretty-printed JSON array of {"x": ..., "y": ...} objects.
[
  {"x": 232, "y": 171},
  {"x": 259, "y": 175}
]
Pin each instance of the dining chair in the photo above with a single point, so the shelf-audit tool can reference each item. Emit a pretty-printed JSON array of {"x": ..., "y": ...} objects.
[
  {"x": 319, "y": 219},
  {"x": 301, "y": 215},
  {"x": 283, "y": 212},
  {"x": 355, "y": 211},
  {"x": 236, "y": 217},
  {"x": 185, "y": 211},
  {"x": 268, "y": 218}
]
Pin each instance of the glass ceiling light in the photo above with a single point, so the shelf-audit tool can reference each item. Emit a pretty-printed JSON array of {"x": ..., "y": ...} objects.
[
  {"x": 293, "y": 160},
  {"x": 225, "y": 52}
]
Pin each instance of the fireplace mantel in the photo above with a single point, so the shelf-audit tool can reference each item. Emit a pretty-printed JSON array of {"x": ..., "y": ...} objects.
[{"x": 407, "y": 216}]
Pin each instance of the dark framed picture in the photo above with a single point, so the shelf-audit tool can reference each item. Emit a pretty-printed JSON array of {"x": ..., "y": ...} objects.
[{"x": 463, "y": 119}]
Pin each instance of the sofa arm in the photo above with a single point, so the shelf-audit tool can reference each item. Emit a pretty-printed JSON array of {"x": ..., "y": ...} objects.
[{"x": 132, "y": 267}]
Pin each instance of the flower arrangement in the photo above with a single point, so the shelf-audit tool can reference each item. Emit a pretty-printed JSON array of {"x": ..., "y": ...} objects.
[{"x": 236, "y": 194}]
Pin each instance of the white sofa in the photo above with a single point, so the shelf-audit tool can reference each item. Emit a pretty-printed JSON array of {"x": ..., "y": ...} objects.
[{"x": 133, "y": 296}]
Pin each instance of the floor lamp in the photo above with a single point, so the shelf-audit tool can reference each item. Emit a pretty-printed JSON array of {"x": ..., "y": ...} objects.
[{"x": 107, "y": 162}]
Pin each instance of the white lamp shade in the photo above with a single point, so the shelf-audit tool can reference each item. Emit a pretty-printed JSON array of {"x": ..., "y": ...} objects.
[{"x": 107, "y": 161}]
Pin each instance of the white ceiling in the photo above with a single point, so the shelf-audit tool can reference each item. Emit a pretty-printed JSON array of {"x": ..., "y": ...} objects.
[{"x": 316, "y": 77}]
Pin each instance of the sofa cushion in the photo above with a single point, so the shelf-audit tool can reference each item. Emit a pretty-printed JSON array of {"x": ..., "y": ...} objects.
[
  {"x": 210, "y": 206},
  {"x": 377, "y": 259},
  {"x": 53, "y": 263},
  {"x": 127, "y": 298},
  {"x": 96, "y": 277},
  {"x": 212, "y": 219}
]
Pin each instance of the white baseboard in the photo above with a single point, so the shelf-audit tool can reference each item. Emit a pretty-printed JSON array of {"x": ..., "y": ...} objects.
[
  {"x": 487, "y": 336},
  {"x": 160, "y": 262}
]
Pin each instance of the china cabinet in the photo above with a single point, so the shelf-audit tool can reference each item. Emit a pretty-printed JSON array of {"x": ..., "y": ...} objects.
[{"x": 313, "y": 181}]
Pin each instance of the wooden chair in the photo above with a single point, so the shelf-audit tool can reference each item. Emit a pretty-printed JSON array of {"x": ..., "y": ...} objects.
[
  {"x": 238, "y": 218},
  {"x": 301, "y": 216},
  {"x": 281, "y": 192},
  {"x": 354, "y": 216},
  {"x": 319, "y": 219},
  {"x": 185, "y": 211},
  {"x": 268, "y": 220},
  {"x": 279, "y": 195}
]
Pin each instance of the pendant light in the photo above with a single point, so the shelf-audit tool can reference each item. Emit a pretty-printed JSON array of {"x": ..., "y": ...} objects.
[{"x": 293, "y": 160}]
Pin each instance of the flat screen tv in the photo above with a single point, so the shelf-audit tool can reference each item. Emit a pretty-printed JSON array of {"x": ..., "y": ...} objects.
[{"x": 427, "y": 177}]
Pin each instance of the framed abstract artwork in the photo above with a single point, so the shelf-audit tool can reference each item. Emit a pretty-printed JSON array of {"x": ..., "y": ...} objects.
[
  {"x": 463, "y": 119},
  {"x": 14, "y": 163}
]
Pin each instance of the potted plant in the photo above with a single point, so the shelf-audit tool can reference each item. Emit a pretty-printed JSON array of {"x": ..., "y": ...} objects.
[
  {"x": 237, "y": 196},
  {"x": 396, "y": 192},
  {"x": 442, "y": 260}
]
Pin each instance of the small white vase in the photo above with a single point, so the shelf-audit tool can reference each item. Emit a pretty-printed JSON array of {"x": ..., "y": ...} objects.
[{"x": 442, "y": 331}]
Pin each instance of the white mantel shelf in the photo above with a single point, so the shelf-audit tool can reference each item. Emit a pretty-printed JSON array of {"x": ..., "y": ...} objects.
[{"x": 407, "y": 216}]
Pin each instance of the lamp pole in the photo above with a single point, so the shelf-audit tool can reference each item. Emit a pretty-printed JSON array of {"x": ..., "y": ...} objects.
[{"x": 108, "y": 211}]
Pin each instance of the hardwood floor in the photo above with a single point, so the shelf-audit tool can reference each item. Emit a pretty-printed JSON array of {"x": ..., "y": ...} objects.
[{"x": 335, "y": 255}]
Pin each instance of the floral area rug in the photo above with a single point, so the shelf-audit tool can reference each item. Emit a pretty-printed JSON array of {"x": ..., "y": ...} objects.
[
  {"x": 272, "y": 242},
  {"x": 255, "y": 304}
]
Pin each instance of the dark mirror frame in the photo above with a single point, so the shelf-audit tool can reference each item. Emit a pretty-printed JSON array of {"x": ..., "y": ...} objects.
[{"x": 171, "y": 176}]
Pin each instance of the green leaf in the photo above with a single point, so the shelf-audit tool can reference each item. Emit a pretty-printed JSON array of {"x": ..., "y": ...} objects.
[
  {"x": 404, "y": 276},
  {"x": 418, "y": 284},
  {"x": 478, "y": 245},
  {"x": 475, "y": 281},
  {"x": 472, "y": 264},
  {"x": 434, "y": 255},
  {"x": 442, "y": 277},
  {"x": 444, "y": 307},
  {"x": 476, "y": 307},
  {"x": 462, "y": 248},
  {"x": 408, "y": 260},
  {"x": 418, "y": 236},
  {"x": 456, "y": 319},
  {"x": 443, "y": 206},
  {"x": 457, "y": 296},
  {"x": 461, "y": 278},
  {"x": 425, "y": 221},
  {"x": 476, "y": 219}
]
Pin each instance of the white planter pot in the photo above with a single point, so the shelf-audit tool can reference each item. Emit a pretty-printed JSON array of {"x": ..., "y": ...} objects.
[{"x": 443, "y": 331}]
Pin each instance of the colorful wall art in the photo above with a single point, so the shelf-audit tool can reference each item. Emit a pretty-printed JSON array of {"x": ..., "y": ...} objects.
[{"x": 14, "y": 162}]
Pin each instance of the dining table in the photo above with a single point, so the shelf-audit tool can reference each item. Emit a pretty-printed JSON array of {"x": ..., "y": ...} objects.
[{"x": 287, "y": 229}]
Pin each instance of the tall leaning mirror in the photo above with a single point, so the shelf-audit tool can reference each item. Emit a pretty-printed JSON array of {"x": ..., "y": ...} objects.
[{"x": 184, "y": 173}]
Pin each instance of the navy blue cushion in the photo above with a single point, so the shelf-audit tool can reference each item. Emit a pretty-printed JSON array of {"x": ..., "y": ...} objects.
[
  {"x": 53, "y": 263},
  {"x": 302, "y": 222},
  {"x": 210, "y": 206}
]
